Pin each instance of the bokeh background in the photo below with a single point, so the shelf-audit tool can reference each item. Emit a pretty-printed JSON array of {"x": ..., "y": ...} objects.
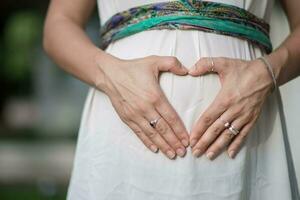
[{"x": 40, "y": 105}]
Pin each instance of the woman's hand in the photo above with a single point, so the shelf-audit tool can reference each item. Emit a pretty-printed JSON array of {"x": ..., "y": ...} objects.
[
  {"x": 245, "y": 86},
  {"x": 133, "y": 88}
]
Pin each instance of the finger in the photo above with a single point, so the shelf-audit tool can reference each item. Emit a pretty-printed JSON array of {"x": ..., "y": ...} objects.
[
  {"x": 135, "y": 127},
  {"x": 171, "y": 64},
  {"x": 166, "y": 132},
  {"x": 207, "y": 65},
  {"x": 213, "y": 112},
  {"x": 141, "y": 135},
  {"x": 225, "y": 138},
  {"x": 238, "y": 141},
  {"x": 155, "y": 137},
  {"x": 214, "y": 131},
  {"x": 166, "y": 110}
]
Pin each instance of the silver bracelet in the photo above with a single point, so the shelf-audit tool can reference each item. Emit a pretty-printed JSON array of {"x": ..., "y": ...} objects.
[{"x": 270, "y": 69}]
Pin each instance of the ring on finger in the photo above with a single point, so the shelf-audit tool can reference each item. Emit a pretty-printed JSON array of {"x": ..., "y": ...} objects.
[
  {"x": 233, "y": 130},
  {"x": 226, "y": 123},
  {"x": 154, "y": 122},
  {"x": 212, "y": 64}
]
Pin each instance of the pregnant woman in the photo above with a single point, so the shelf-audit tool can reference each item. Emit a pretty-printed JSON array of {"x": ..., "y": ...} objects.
[{"x": 184, "y": 101}]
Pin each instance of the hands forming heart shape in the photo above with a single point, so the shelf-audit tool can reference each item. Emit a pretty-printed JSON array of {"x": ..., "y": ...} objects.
[
  {"x": 132, "y": 86},
  {"x": 245, "y": 86}
]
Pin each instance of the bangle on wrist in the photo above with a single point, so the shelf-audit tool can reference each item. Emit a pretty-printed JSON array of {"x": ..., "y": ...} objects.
[{"x": 270, "y": 70}]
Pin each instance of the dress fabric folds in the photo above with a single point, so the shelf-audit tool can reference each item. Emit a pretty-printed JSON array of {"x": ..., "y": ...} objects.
[{"x": 111, "y": 163}]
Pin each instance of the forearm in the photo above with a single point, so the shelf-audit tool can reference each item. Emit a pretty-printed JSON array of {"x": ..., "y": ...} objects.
[
  {"x": 286, "y": 58},
  {"x": 68, "y": 45}
]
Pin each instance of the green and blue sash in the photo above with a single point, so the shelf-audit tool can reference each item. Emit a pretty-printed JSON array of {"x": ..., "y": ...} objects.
[{"x": 201, "y": 15}]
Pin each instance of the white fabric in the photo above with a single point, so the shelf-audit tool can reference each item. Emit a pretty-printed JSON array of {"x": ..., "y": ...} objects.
[{"x": 111, "y": 163}]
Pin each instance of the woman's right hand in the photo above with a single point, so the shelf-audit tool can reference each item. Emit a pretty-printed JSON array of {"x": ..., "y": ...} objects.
[{"x": 134, "y": 91}]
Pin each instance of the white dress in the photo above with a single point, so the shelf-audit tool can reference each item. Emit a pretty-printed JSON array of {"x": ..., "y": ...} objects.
[{"x": 111, "y": 163}]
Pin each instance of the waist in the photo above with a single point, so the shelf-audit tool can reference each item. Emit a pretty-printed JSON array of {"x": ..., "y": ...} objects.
[
  {"x": 187, "y": 45},
  {"x": 188, "y": 14}
]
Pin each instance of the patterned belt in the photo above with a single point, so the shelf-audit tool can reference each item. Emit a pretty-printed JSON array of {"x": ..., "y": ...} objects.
[{"x": 188, "y": 14}]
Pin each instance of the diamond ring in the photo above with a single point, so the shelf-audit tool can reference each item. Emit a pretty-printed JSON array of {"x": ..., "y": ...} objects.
[
  {"x": 233, "y": 130},
  {"x": 154, "y": 122}
]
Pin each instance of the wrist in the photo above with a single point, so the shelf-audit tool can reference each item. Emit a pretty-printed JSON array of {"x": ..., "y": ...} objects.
[
  {"x": 271, "y": 75},
  {"x": 103, "y": 62},
  {"x": 278, "y": 60}
]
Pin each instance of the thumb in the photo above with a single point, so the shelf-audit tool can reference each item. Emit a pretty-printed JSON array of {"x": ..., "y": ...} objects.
[
  {"x": 203, "y": 66},
  {"x": 171, "y": 64}
]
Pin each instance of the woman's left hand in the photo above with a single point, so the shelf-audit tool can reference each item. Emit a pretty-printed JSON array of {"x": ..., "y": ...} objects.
[{"x": 245, "y": 86}]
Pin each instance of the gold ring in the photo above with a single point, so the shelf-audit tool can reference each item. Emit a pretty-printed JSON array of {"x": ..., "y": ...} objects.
[{"x": 212, "y": 64}]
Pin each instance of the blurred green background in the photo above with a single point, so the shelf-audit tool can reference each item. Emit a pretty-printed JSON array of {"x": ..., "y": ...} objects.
[{"x": 37, "y": 134}]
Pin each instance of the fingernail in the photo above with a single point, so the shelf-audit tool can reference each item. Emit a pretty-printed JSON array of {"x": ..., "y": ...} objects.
[
  {"x": 197, "y": 152},
  {"x": 170, "y": 154},
  {"x": 193, "y": 142},
  {"x": 231, "y": 154},
  {"x": 210, "y": 155},
  {"x": 180, "y": 152},
  {"x": 153, "y": 148},
  {"x": 185, "y": 142}
]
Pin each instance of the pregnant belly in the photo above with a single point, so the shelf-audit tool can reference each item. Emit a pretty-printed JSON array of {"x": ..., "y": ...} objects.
[
  {"x": 189, "y": 95},
  {"x": 113, "y": 146}
]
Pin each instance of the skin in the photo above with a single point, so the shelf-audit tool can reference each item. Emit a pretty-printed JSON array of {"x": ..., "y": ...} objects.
[
  {"x": 132, "y": 85},
  {"x": 133, "y": 88},
  {"x": 245, "y": 87}
]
